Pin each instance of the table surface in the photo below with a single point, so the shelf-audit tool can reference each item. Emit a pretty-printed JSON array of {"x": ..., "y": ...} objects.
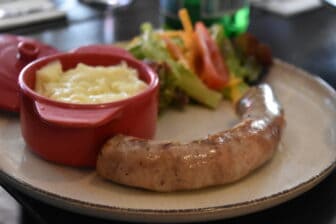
[{"x": 307, "y": 40}]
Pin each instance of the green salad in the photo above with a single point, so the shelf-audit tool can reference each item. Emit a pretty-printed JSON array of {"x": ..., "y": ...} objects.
[{"x": 200, "y": 64}]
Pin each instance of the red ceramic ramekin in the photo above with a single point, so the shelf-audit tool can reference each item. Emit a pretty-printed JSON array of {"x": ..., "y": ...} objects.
[{"x": 72, "y": 134}]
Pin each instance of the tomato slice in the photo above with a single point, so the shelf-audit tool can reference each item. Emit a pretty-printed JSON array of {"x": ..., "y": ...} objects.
[{"x": 212, "y": 69}]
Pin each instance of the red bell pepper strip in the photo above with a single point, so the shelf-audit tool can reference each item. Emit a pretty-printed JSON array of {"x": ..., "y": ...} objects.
[{"x": 212, "y": 69}]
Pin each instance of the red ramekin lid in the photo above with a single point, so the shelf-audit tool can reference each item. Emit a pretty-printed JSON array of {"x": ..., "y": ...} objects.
[{"x": 15, "y": 53}]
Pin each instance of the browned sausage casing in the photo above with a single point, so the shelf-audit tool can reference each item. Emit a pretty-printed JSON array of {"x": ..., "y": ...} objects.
[{"x": 218, "y": 159}]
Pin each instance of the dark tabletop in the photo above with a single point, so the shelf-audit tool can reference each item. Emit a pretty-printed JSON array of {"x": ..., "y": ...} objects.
[{"x": 307, "y": 40}]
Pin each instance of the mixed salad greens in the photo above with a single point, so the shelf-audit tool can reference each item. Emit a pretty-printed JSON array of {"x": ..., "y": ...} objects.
[{"x": 200, "y": 64}]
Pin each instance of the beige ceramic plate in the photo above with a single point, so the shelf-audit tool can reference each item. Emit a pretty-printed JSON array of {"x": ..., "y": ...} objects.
[{"x": 306, "y": 155}]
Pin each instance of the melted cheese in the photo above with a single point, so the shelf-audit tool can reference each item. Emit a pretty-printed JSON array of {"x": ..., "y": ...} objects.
[{"x": 87, "y": 84}]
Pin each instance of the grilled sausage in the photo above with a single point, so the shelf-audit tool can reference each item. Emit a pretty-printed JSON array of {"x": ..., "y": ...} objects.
[{"x": 218, "y": 159}]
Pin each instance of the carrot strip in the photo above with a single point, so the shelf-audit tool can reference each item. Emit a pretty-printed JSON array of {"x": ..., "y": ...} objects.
[
  {"x": 234, "y": 81},
  {"x": 173, "y": 49},
  {"x": 185, "y": 20},
  {"x": 188, "y": 38},
  {"x": 171, "y": 33}
]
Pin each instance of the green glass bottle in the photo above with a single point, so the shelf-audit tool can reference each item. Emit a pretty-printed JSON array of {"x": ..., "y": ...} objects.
[{"x": 232, "y": 14}]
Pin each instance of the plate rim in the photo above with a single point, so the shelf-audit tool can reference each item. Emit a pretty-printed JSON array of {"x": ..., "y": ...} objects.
[
  {"x": 34, "y": 191},
  {"x": 260, "y": 203}
]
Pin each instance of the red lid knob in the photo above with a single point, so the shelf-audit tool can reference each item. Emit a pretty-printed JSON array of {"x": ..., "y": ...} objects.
[{"x": 28, "y": 51}]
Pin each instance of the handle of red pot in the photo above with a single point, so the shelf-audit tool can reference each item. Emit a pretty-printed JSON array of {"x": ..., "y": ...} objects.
[{"x": 76, "y": 118}]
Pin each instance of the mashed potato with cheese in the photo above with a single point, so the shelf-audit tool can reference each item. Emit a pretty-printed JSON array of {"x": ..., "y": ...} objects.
[{"x": 88, "y": 84}]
